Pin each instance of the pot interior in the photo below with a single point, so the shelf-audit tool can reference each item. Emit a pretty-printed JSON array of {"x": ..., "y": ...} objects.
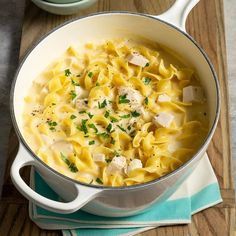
[{"x": 107, "y": 26}]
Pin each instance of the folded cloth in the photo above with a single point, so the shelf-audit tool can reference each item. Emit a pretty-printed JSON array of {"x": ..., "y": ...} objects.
[{"x": 199, "y": 191}]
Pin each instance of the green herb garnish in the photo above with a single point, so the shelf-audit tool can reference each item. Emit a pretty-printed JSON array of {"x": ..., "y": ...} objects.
[
  {"x": 135, "y": 114},
  {"x": 71, "y": 165},
  {"x": 108, "y": 160},
  {"x": 146, "y": 100},
  {"x": 52, "y": 123},
  {"x": 92, "y": 126},
  {"x": 74, "y": 83},
  {"x": 99, "y": 181},
  {"x": 125, "y": 116},
  {"x": 97, "y": 84},
  {"x": 90, "y": 74},
  {"x": 72, "y": 117},
  {"x": 73, "y": 168},
  {"x": 113, "y": 141},
  {"x": 129, "y": 127},
  {"x": 113, "y": 119},
  {"x": 90, "y": 115},
  {"x": 82, "y": 112},
  {"x": 147, "y": 81},
  {"x": 123, "y": 99},
  {"x": 92, "y": 142},
  {"x": 103, "y": 135},
  {"x": 121, "y": 128},
  {"x": 102, "y": 105},
  {"x": 52, "y": 128},
  {"x": 83, "y": 127},
  {"x": 73, "y": 95},
  {"x": 67, "y": 72},
  {"x": 115, "y": 153},
  {"x": 109, "y": 128},
  {"x": 106, "y": 114},
  {"x": 147, "y": 65}
]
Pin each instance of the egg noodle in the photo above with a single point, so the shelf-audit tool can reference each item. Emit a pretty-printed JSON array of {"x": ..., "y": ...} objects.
[{"x": 91, "y": 115}]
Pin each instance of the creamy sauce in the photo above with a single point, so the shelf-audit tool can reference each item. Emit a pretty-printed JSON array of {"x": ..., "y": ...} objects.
[{"x": 76, "y": 108}]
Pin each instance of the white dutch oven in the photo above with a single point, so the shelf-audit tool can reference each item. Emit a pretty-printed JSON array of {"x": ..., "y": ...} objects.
[{"x": 167, "y": 29}]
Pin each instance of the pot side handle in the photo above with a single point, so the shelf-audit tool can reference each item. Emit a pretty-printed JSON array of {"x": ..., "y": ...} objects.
[
  {"x": 83, "y": 193},
  {"x": 178, "y": 12}
]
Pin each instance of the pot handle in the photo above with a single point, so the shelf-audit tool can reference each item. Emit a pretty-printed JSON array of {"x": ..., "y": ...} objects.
[
  {"x": 83, "y": 193},
  {"x": 178, "y": 12}
]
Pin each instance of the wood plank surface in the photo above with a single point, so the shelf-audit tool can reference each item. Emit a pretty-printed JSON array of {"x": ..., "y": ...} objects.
[{"x": 205, "y": 23}]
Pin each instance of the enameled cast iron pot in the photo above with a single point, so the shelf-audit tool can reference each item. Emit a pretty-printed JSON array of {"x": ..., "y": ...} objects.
[{"x": 167, "y": 29}]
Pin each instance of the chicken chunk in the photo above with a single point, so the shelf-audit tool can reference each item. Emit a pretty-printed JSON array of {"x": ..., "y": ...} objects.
[
  {"x": 164, "y": 98},
  {"x": 193, "y": 94},
  {"x": 134, "y": 164},
  {"x": 163, "y": 119},
  {"x": 117, "y": 164},
  {"x": 137, "y": 59},
  {"x": 99, "y": 157}
]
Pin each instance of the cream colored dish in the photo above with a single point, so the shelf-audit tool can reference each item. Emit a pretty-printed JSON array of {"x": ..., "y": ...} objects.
[{"x": 167, "y": 29}]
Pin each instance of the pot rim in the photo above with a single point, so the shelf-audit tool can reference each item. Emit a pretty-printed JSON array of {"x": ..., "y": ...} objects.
[{"x": 146, "y": 184}]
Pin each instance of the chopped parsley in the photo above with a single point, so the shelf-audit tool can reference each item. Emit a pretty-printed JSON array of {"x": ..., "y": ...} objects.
[
  {"x": 72, "y": 94},
  {"x": 147, "y": 81},
  {"x": 52, "y": 128},
  {"x": 90, "y": 74},
  {"x": 135, "y": 114},
  {"x": 52, "y": 123},
  {"x": 146, "y": 100},
  {"x": 113, "y": 119},
  {"x": 83, "y": 127},
  {"x": 97, "y": 84},
  {"x": 107, "y": 113},
  {"x": 99, "y": 181},
  {"x": 121, "y": 128},
  {"x": 115, "y": 153},
  {"x": 72, "y": 117},
  {"x": 123, "y": 99},
  {"x": 109, "y": 128},
  {"x": 103, "y": 135},
  {"x": 67, "y": 72},
  {"x": 147, "y": 65},
  {"x": 71, "y": 165},
  {"x": 125, "y": 116},
  {"x": 92, "y": 142},
  {"x": 129, "y": 127},
  {"x": 82, "y": 112},
  {"x": 74, "y": 83},
  {"x": 107, "y": 160},
  {"x": 92, "y": 126},
  {"x": 90, "y": 115},
  {"x": 102, "y": 105},
  {"x": 113, "y": 141}
]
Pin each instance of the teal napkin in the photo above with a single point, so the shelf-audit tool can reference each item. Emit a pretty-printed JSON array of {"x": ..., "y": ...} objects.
[{"x": 198, "y": 192}]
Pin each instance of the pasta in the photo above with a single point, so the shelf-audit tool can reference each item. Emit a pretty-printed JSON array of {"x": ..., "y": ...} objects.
[{"x": 119, "y": 113}]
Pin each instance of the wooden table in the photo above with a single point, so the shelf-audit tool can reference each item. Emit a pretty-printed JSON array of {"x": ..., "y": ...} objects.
[{"x": 206, "y": 25}]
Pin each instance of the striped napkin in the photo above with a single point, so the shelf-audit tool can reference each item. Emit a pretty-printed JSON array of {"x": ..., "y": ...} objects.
[{"x": 198, "y": 192}]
